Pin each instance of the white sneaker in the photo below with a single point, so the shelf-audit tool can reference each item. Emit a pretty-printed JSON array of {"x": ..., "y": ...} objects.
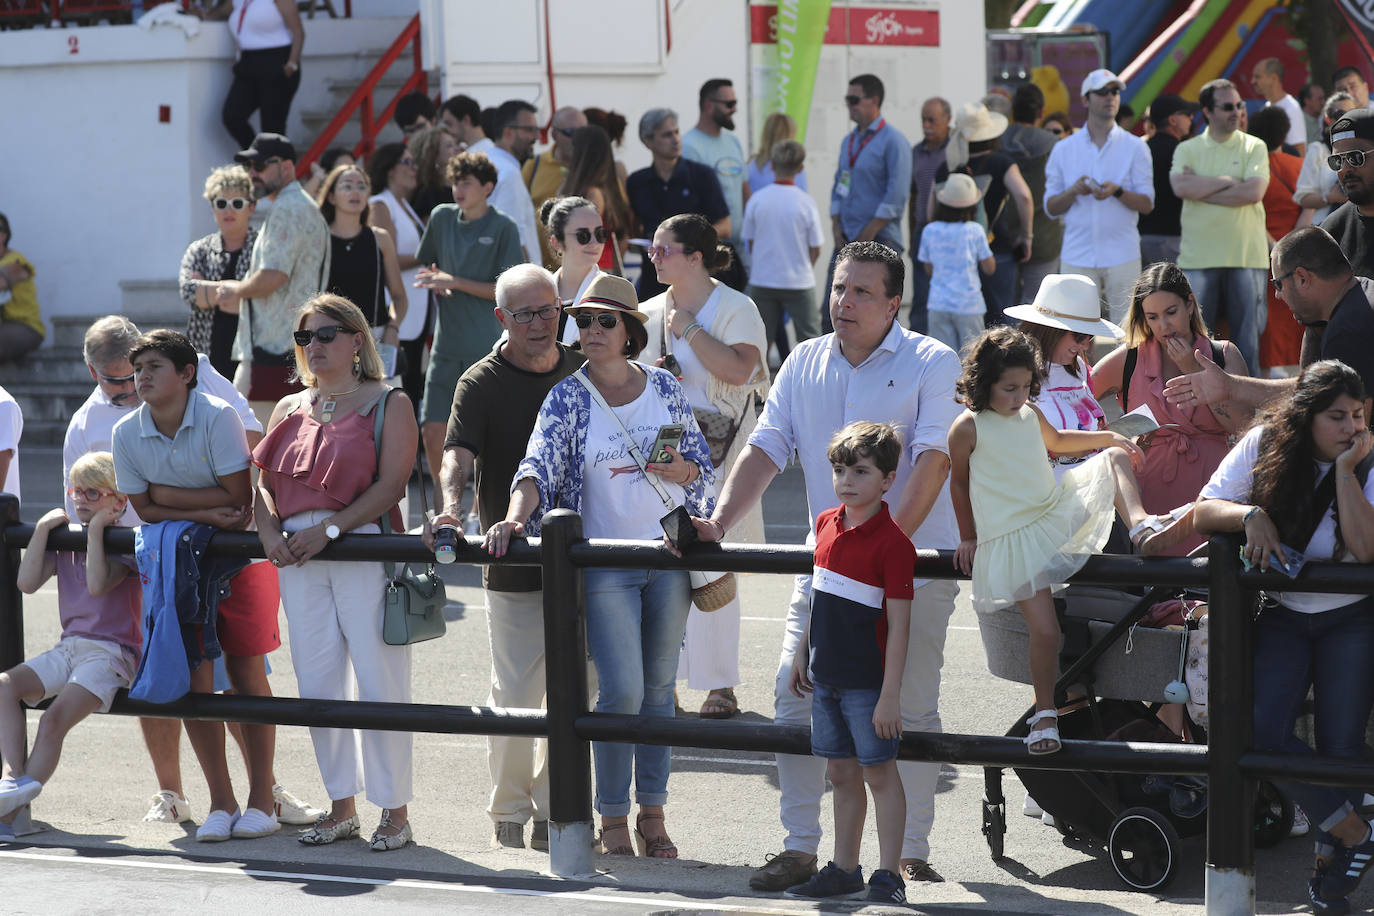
[
  {"x": 168, "y": 808},
  {"x": 1030, "y": 808},
  {"x": 1301, "y": 825},
  {"x": 291, "y": 810},
  {"x": 254, "y": 824},
  {"x": 1047, "y": 819},
  {"x": 218, "y": 826}
]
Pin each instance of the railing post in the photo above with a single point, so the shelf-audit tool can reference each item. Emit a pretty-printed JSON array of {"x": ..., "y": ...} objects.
[
  {"x": 1230, "y": 700},
  {"x": 11, "y": 603},
  {"x": 565, "y": 666}
]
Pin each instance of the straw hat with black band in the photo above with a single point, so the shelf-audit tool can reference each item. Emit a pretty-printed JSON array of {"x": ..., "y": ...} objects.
[
  {"x": 609, "y": 293},
  {"x": 1070, "y": 302}
]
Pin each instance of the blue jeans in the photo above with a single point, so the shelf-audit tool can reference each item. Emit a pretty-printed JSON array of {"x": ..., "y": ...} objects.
[
  {"x": 1329, "y": 652},
  {"x": 999, "y": 288},
  {"x": 1240, "y": 291},
  {"x": 635, "y": 622}
]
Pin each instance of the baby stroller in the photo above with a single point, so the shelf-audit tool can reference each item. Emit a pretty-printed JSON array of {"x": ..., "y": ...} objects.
[{"x": 1122, "y": 671}]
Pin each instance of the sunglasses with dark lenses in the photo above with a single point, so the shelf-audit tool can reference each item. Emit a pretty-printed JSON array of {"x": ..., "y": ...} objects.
[
  {"x": 1354, "y": 159},
  {"x": 1229, "y": 106},
  {"x": 728, "y": 103},
  {"x": 324, "y": 334},
  {"x": 116, "y": 379},
  {"x": 547, "y": 313},
  {"x": 1081, "y": 338},
  {"x": 1110, "y": 90},
  {"x": 224, "y": 203},
  {"x": 1277, "y": 282},
  {"x": 584, "y": 235},
  {"x": 606, "y": 319},
  {"x": 853, "y": 99},
  {"x": 90, "y": 494}
]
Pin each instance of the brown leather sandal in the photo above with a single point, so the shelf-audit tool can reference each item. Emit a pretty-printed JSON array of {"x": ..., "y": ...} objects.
[
  {"x": 720, "y": 704},
  {"x": 659, "y": 847},
  {"x": 623, "y": 850}
]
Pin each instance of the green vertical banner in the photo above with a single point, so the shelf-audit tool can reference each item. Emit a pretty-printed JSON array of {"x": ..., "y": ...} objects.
[{"x": 801, "y": 28}]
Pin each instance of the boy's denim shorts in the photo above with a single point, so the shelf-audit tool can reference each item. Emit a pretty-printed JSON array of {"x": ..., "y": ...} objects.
[{"x": 842, "y": 725}]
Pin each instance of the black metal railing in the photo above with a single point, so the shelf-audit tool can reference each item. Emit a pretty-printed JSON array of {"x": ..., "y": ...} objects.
[{"x": 569, "y": 727}]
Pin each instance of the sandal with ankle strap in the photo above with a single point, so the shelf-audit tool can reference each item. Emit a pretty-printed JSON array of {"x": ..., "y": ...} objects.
[
  {"x": 1044, "y": 733},
  {"x": 659, "y": 847},
  {"x": 623, "y": 850}
]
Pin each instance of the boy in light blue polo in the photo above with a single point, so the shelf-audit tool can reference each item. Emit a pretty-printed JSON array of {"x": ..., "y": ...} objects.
[{"x": 182, "y": 455}]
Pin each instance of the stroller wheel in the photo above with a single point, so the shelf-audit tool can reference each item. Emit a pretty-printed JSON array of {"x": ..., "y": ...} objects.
[
  {"x": 994, "y": 826},
  {"x": 1144, "y": 848},
  {"x": 1273, "y": 815}
]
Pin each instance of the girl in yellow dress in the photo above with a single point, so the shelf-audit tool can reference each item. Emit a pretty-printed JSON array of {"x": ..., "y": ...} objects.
[{"x": 1021, "y": 534}]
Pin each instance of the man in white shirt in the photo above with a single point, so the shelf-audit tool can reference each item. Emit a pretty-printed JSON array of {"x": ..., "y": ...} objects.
[
  {"x": 515, "y": 130},
  {"x": 106, "y": 351},
  {"x": 1267, "y": 78},
  {"x": 1099, "y": 181},
  {"x": 869, "y": 368}
]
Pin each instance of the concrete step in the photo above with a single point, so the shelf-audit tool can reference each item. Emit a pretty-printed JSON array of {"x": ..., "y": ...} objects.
[{"x": 44, "y": 367}]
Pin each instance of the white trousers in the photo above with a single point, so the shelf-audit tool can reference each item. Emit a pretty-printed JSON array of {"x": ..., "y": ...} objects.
[
  {"x": 1114, "y": 286},
  {"x": 519, "y": 766},
  {"x": 710, "y": 648},
  {"x": 334, "y": 618},
  {"x": 802, "y": 779}
]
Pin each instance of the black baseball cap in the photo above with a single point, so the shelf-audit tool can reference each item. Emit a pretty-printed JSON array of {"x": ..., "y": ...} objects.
[
  {"x": 1357, "y": 123},
  {"x": 264, "y": 147},
  {"x": 1167, "y": 104}
]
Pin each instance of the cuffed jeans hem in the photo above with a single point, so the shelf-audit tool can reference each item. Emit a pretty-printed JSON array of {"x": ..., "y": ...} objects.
[{"x": 1336, "y": 817}]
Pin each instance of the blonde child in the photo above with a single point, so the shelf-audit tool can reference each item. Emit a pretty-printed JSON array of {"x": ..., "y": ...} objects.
[
  {"x": 99, "y": 603},
  {"x": 1020, "y": 532}
]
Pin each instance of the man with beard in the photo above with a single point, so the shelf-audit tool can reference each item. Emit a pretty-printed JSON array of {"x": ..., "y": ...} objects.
[
  {"x": 1352, "y": 139},
  {"x": 514, "y": 130},
  {"x": 289, "y": 264},
  {"x": 1221, "y": 176},
  {"x": 711, "y": 143}
]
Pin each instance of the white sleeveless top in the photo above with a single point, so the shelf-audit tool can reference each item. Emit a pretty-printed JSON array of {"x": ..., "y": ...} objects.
[
  {"x": 258, "y": 24},
  {"x": 407, "y": 238}
]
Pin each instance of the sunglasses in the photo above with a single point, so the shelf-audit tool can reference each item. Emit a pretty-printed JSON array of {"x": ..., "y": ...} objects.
[
  {"x": 546, "y": 313},
  {"x": 255, "y": 166},
  {"x": 1354, "y": 159},
  {"x": 1277, "y": 282},
  {"x": 607, "y": 320},
  {"x": 1056, "y": 130},
  {"x": 659, "y": 252},
  {"x": 1080, "y": 338},
  {"x": 854, "y": 99},
  {"x": 584, "y": 235},
  {"x": 728, "y": 103},
  {"x": 323, "y": 335},
  {"x": 116, "y": 379},
  {"x": 1110, "y": 90},
  {"x": 224, "y": 203},
  {"x": 1229, "y": 106},
  {"x": 89, "y": 494}
]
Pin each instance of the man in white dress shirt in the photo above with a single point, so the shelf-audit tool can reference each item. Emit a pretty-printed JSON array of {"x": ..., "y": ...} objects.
[
  {"x": 1099, "y": 181},
  {"x": 514, "y": 131},
  {"x": 869, "y": 368}
]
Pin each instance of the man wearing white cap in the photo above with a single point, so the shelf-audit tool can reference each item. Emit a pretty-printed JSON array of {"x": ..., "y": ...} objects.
[
  {"x": 1099, "y": 181},
  {"x": 1221, "y": 175}
]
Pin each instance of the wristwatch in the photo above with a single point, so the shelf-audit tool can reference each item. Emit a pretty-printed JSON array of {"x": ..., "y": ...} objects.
[
  {"x": 1118, "y": 192},
  {"x": 331, "y": 531}
]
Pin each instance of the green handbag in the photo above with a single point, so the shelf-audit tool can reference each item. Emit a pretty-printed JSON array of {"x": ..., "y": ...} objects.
[{"x": 413, "y": 610}]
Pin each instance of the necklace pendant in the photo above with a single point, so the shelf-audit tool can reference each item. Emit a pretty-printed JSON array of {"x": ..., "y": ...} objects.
[{"x": 327, "y": 410}]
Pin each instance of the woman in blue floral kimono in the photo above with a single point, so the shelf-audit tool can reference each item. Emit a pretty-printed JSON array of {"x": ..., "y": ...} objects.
[{"x": 580, "y": 457}]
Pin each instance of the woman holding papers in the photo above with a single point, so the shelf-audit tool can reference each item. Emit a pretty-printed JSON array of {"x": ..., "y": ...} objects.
[{"x": 1165, "y": 337}]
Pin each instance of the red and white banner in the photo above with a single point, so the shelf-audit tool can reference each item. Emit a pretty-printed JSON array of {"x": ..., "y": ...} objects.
[{"x": 878, "y": 26}]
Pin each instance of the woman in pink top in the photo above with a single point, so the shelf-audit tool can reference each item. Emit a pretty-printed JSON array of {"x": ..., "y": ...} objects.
[
  {"x": 1164, "y": 334},
  {"x": 320, "y": 478}
]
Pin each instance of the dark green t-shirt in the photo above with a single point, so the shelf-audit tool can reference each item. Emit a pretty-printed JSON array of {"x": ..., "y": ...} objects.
[
  {"x": 479, "y": 251},
  {"x": 494, "y": 409}
]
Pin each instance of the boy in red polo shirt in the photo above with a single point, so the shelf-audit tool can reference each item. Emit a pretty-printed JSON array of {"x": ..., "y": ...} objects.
[{"x": 856, "y": 648}]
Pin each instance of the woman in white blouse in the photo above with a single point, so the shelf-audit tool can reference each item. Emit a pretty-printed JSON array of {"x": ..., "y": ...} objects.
[
  {"x": 712, "y": 338},
  {"x": 1299, "y": 480},
  {"x": 577, "y": 237},
  {"x": 393, "y": 169}
]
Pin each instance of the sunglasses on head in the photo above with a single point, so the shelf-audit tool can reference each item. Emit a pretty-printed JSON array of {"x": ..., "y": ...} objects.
[
  {"x": 224, "y": 203},
  {"x": 1355, "y": 159},
  {"x": 607, "y": 320},
  {"x": 323, "y": 335},
  {"x": 585, "y": 235},
  {"x": 90, "y": 494}
]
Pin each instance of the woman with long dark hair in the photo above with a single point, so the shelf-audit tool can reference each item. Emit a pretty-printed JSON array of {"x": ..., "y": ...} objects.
[
  {"x": 394, "y": 175},
  {"x": 1299, "y": 480},
  {"x": 592, "y": 175}
]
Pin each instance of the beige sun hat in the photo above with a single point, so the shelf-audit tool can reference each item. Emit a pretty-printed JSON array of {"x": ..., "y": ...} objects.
[
  {"x": 976, "y": 123},
  {"x": 1070, "y": 302},
  {"x": 959, "y": 191},
  {"x": 609, "y": 293}
]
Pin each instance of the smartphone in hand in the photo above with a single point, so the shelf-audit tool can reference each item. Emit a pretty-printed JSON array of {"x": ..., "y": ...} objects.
[
  {"x": 669, "y": 435},
  {"x": 678, "y": 527}
]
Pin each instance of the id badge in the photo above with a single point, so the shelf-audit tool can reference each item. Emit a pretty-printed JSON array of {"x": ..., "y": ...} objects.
[{"x": 842, "y": 186}]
